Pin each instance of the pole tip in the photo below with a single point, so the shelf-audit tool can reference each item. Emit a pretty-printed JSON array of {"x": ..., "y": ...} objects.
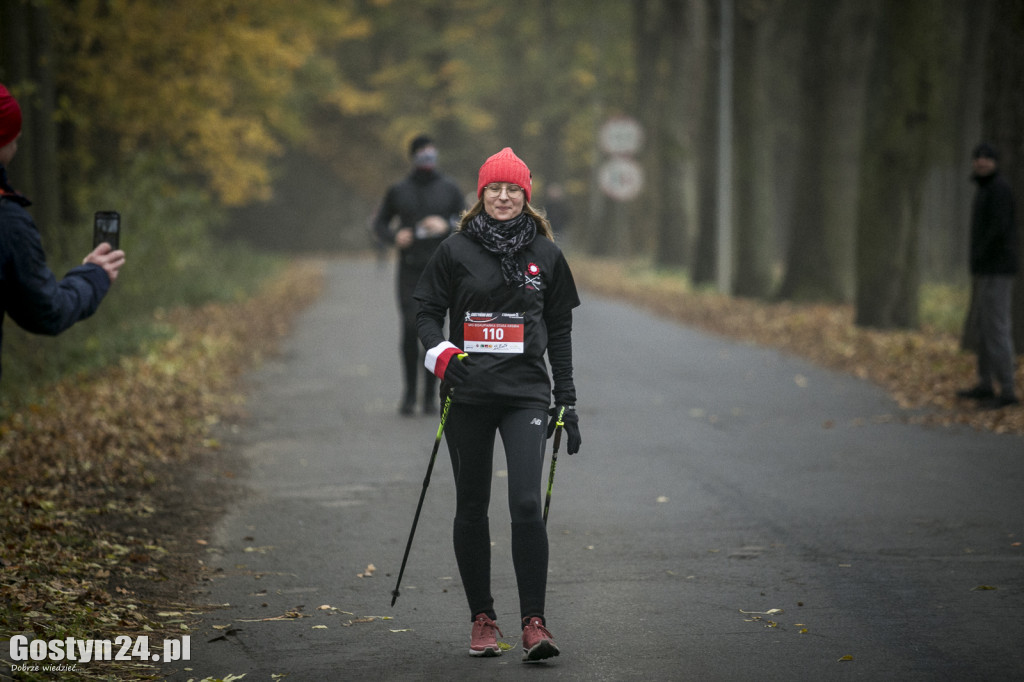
[{"x": 394, "y": 597}]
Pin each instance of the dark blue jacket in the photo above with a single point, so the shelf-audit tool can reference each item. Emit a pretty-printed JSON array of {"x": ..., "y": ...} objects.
[{"x": 29, "y": 292}]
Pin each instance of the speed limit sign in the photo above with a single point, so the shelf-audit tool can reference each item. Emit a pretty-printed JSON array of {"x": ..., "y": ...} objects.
[{"x": 621, "y": 178}]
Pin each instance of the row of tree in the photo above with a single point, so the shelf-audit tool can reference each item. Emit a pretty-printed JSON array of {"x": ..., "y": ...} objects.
[
  {"x": 853, "y": 122},
  {"x": 793, "y": 148}
]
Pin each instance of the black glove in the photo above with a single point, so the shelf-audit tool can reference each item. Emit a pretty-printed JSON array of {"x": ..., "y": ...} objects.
[
  {"x": 570, "y": 423},
  {"x": 456, "y": 375},
  {"x": 445, "y": 361},
  {"x": 457, "y": 371}
]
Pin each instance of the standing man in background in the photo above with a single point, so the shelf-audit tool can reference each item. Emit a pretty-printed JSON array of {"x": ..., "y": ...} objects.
[
  {"x": 993, "y": 263},
  {"x": 428, "y": 205}
]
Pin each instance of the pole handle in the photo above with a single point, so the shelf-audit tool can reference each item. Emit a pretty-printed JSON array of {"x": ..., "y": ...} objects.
[
  {"x": 559, "y": 423},
  {"x": 554, "y": 460}
]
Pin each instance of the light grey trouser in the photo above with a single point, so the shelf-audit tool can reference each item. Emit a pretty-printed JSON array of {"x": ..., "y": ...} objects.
[{"x": 992, "y": 295}]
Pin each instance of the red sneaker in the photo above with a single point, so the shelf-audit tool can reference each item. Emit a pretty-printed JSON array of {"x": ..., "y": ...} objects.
[
  {"x": 483, "y": 642},
  {"x": 537, "y": 641}
]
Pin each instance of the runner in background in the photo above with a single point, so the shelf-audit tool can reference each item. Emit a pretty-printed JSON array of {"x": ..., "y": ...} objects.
[{"x": 427, "y": 205}]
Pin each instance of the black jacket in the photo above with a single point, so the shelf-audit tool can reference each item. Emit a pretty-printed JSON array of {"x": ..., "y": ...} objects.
[
  {"x": 29, "y": 292},
  {"x": 464, "y": 280},
  {"x": 993, "y": 228},
  {"x": 422, "y": 193}
]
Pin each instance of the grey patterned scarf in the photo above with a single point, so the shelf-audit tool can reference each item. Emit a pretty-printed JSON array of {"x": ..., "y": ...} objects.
[{"x": 504, "y": 238}]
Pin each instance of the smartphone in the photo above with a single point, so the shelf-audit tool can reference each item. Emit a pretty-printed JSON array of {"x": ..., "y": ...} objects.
[{"x": 106, "y": 228}]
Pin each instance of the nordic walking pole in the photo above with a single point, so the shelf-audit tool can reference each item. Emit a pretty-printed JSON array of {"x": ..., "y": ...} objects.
[
  {"x": 554, "y": 461},
  {"x": 423, "y": 493}
]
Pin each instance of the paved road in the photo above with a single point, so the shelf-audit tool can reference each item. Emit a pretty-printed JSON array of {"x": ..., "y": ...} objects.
[{"x": 715, "y": 479}]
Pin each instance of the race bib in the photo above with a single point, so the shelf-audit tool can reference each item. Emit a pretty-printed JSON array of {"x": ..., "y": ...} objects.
[{"x": 493, "y": 332}]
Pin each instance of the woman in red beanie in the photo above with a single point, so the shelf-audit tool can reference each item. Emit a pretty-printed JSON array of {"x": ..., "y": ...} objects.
[
  {"x": 509, "y": 294},
  {"x": 30, "y": 294}
]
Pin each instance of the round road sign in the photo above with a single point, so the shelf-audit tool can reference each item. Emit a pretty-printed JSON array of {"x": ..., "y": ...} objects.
[
  {"x": 621, "y": 178},
  {"x": 621, "y": 135}
]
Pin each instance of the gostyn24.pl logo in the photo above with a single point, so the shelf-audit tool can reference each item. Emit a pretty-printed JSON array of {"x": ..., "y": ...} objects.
[{"x": 73, "y": 650}]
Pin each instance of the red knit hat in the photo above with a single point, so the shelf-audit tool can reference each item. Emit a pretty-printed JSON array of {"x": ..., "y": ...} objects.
[
  {"x": 504, "y": 166},
  {"x": 10, "y": 117}
]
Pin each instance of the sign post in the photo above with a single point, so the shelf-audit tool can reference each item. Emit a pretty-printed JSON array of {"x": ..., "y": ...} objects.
[{"x": 621, "y": 178}]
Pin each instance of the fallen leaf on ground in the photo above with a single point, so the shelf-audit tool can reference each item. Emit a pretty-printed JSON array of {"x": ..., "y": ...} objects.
[
  {"x": 288, "y": 615},
  {"x": 769, "y": 612}
]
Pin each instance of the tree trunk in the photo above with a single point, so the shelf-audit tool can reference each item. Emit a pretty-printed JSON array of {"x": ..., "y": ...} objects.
[
  {"x": 978, "y": 27},
  {"x": 16, "y": 74},
  {"x": 671, "y": 227},
  {"x": 29, "y": 68},
  {"x": 903, "y": 103},
  {"x": 659, "y": 224},
  {"x": 53, "y": 208},
  {"x": 819, "y": 262},
  {"x": 754, "y": 151},
  {"x": 1004, "y": 124},
  {"x": 704, "y": 256}
]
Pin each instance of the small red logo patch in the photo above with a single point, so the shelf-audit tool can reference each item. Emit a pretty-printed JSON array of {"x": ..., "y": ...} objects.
[{"x": 532, "y": 269}]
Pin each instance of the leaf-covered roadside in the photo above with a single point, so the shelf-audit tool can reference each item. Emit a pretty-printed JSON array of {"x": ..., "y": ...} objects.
[
  {"x": 86, "y": 477},
  {"x": 921, "y": 369}
]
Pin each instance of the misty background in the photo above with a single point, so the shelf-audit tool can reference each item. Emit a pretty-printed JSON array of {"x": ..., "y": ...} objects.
[{"x": 773, "y": 149}]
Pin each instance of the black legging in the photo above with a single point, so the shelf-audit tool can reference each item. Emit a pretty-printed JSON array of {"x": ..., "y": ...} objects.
[
  {"x": 470, "y": 434},
  {"x": 409, "y": 345}
]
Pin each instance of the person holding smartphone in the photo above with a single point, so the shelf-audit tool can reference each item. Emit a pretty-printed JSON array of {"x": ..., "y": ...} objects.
[{"x": 29, "y": 292}]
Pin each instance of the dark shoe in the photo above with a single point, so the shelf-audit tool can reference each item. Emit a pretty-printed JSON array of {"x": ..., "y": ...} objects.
[
  {"x": 537, "y": 641},
  {"x": 483, "y": 641},
  {"x": 1001, "y": 402},
  {"x": 407, "y": 408},
  {"x": 976, "y": 393}
]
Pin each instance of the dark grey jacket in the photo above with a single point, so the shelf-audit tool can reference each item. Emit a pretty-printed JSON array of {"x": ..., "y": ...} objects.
[
  {"x": 993, "y": 228},
  {"x": 422, "y": 193}
]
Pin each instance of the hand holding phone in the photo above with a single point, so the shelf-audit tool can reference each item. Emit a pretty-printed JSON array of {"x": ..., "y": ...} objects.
[{"x": 106, "y": 228}]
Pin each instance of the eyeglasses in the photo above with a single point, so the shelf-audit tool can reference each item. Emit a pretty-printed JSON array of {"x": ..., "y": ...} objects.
[{"x": 494, "y": 190}]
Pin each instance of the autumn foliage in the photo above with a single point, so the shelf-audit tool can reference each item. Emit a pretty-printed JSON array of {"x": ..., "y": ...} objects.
[
  {"x": 224, "y": 84},
  {"x": 97, "y": 458}
]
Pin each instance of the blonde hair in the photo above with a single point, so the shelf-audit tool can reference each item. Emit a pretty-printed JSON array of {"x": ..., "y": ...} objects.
[{"x": 543, "y": 226}]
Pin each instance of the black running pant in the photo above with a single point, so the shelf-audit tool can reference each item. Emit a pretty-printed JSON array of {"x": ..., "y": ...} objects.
[
  {"x": 409, "y": 345},
  {"x": 470, "y": 435}
]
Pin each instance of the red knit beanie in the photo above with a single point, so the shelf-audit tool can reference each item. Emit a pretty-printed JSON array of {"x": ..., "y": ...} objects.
[
  {"x": 504, "y": 166},
  {"x": 10, "y": 117}
]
